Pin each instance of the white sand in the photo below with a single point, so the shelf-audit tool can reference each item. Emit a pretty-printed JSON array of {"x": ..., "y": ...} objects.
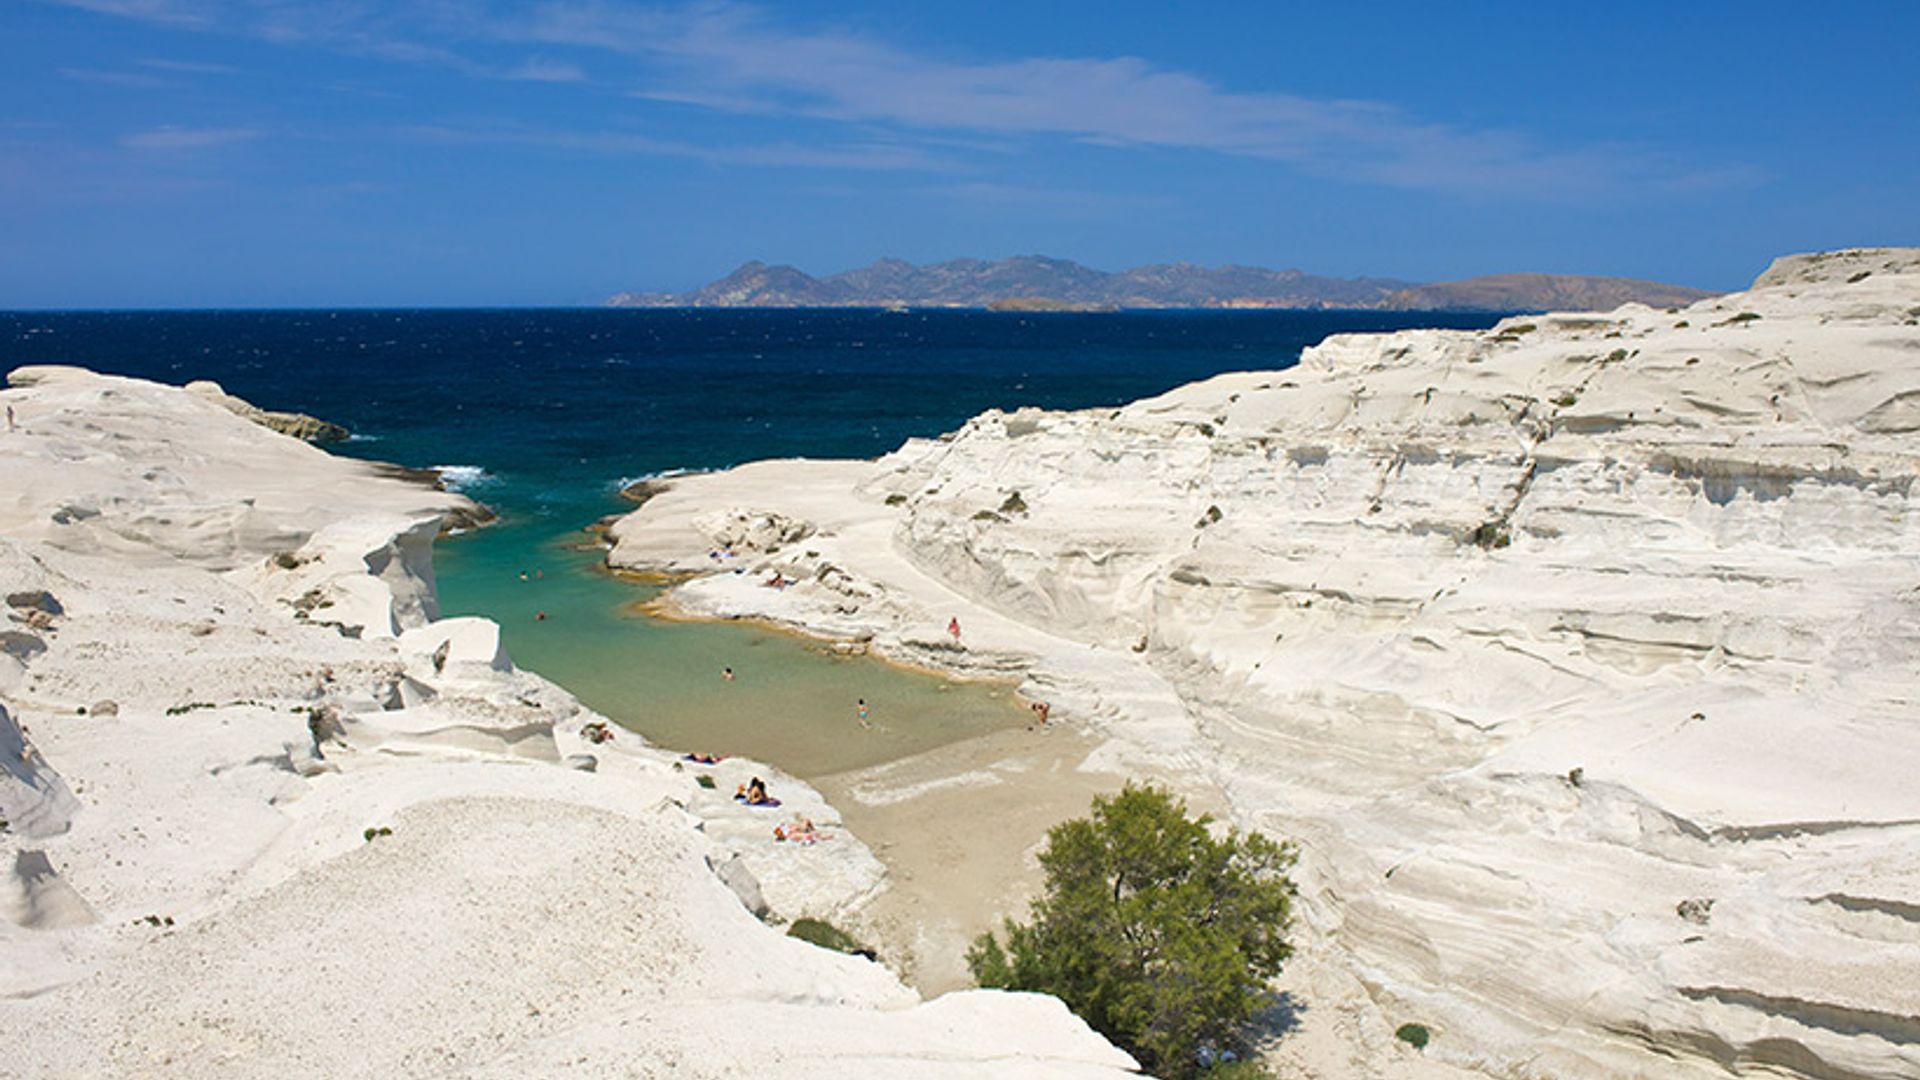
[
  {"x": 188, "y": 886},
  {"x": 1578, "y": 655}
]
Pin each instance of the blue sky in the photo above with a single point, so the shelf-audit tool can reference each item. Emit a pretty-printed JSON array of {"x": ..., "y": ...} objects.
[{"x": 202, "y": 153}]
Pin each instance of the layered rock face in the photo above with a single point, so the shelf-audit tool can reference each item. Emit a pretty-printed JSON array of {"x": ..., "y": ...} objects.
[
  {"x": 1578, "y": 653},
  {"x": 260, "y": 815}
]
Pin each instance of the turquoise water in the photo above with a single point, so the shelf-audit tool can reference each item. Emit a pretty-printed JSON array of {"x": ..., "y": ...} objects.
[
  {"x": 546, "y": 413},
  {"x": 791, "y": 702}
]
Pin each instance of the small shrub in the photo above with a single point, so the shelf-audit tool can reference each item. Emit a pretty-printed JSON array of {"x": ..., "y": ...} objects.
[
  {"x": 1565, "y": 399},
  {"x": 1859, "y": 277},
  {"x": 1014, "y": 504},
  {"x": 1414, "y": 1035},
  {"x": 1682, "y": 325},
  {"x": 1740, "y": 319},
  {"x": 1523, "y": 328},
  {"x": 987, "y": 515},
  {"x": 1205, "y": 429},
  {"x": 1491, "y": 535},
  {"x": 827, "y": 936},
  {"x": 1575, "y": 775},
  {"x": 704, "y": 780},
  {"x": 286, "y": 560},
  {"x": 1212, "y": 516},
  {"x": 1697, "y": 910},
  {"x": 1616, "y": 356},
  {"x": 896, "y": 499},
  {"x": 178, "y": 710},
  {"x": 376, "y": 831},
  {"x": 1158, "y": 933}
]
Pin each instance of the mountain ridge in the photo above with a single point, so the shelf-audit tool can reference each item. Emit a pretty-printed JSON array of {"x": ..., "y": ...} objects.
[{"x": 1035, "y": 282}]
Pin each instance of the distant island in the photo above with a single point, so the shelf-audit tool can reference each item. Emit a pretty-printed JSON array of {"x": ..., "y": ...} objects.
[{"x": 1038, "y": 283}]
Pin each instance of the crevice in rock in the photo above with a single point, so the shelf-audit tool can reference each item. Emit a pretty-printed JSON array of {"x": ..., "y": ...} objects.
[{"x": 1843, "y": 1019}]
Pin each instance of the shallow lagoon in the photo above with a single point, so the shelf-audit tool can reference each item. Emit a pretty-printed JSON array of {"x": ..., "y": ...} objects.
[{"x": 791, "y": 702}]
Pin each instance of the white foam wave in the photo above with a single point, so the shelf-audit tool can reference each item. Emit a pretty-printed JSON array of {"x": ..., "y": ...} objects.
[
  {"x": 464, "y": 477},
  {"x": 625, "y": 482}
]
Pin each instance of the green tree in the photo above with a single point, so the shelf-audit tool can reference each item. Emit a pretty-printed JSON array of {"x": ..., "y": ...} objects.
[{"x": 1160, "y": 935}]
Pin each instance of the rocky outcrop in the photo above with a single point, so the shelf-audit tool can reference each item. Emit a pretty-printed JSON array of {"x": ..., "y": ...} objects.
[
  {"x": 299, "y": 425},
  {"x": 1577, "y": 653}
]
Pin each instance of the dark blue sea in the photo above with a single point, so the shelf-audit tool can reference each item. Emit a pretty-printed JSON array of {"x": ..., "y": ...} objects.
[{"x": 548, "y": 412}]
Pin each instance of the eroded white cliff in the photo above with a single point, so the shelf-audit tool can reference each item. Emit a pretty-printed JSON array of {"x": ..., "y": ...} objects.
[{"x": 1579, "y": 654}]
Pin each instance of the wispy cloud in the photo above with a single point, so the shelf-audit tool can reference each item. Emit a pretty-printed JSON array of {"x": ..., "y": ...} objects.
[
  {"x": 540, "y": 70},
  {"x": 734, "y": 59},
  {"x": 188, "y": 67},
  {"x": 852, "y": 155},
  {"x": 129, "y": 80},
  {"x": 177, "y": 12},
  {"x": 738, "y": 59},
  {"x": 185, "y": 138}
]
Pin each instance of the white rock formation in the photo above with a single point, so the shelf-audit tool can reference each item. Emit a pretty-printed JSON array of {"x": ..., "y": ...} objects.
[
  {"x": 264, "y": 819},
  {"x": 299, "y": 425},
  {"x": 1579, "y": 655}
]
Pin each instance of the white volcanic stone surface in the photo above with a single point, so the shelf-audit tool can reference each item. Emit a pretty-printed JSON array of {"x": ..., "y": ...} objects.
[
  {"x": 1579, "y": 655},
  {"x": 265, "y": 819}
]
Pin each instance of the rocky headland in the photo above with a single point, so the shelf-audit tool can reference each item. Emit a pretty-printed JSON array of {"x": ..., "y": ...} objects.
[
  {"x": 263, "y": 814},
  {"x": 1578, "y": 654}
]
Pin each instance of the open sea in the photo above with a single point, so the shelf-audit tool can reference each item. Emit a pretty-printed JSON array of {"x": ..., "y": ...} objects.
[{"x": 544, "y": 414}]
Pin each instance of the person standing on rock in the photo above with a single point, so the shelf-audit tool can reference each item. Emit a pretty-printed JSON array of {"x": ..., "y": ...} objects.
[{"x": 953, "y": 627}]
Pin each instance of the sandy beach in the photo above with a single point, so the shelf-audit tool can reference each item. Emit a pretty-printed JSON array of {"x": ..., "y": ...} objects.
[{"x": 957, "y": 829}]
